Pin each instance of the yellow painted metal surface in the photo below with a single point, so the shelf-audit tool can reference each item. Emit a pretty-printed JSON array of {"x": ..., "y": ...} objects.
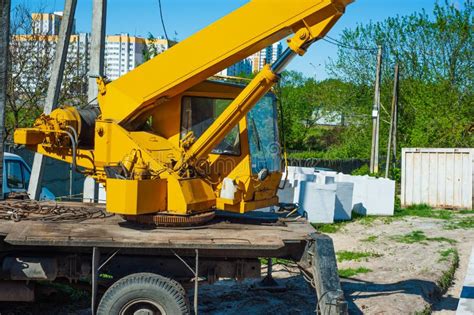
[
  {"x": 189, "y": 196},
  {"x": 243, "y": 32},
  {"x": 138, "y": 132},
  {"x": 132, "y": 197}
]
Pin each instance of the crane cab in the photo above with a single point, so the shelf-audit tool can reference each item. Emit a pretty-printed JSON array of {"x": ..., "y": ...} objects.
[{"x": 245, "y": 168}]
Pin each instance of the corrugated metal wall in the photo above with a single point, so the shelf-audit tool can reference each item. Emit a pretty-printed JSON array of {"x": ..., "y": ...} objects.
[{"x": 441, "y": 178}]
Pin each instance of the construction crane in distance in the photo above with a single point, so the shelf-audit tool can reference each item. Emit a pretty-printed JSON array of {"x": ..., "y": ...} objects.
[{"x": 171, "y": 146}]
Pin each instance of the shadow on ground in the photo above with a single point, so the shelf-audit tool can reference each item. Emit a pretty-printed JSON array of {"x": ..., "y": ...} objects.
[{"x": 356, "y": 290}]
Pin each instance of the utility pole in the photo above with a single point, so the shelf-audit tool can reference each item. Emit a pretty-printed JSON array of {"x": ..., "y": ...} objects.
[
  {"x": 393, "y": 121},
  {"x": 374, "y": 155},
  {"x": 99, "y": 13},
  {"x": 4, "y": 44},
  {"x": 52, "y": 96}
]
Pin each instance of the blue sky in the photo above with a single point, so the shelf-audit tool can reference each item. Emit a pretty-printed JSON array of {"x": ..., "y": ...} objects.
[{"x": 185, "y": 17}]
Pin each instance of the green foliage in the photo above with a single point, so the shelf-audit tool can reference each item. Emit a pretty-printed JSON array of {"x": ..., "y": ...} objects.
[
  {"x": 370, "y": 239},
  {"x": 436, "y": 103},
  {"x": 424, "y": 211},
  {"x": 350, "y": 272},
  {"x": 329, "y": 228},
  {"x": 445, "y": 254},
  {"x": 305, "y": 155},
  {"x": 363, "y": 170},
  {"x": 410, "y": 238},
  {"x": 448, "y": 276},
  {"x": 344, "y": 255},
  {"x": 150, "y": 50},
  {"x": 277, "y": 261},
  {"x": 460, "y": 223},
  {"x": 435, "y": 57},
  {"x": 420, "y": 237}
]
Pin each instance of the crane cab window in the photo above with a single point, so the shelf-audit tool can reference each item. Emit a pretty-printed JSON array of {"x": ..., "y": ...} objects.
[
  {"x": 263, "y": 135},
  {"x": 198, "y": 113}
]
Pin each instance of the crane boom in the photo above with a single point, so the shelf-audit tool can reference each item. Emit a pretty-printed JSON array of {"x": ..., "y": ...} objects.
[
  {"x": 243, "y": 32},
  {"x": 153, "y": 143}
]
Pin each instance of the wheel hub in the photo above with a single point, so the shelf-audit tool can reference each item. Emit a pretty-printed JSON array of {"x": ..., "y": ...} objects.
[{"x": 142, "y": 307}]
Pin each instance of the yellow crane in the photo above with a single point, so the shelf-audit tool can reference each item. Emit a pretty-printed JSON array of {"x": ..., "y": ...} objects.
[{"x": 171, "y": 146}]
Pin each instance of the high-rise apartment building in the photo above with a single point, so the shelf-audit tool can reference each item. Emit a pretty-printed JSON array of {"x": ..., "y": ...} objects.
[
  {"x": 47, "y": 23},
  {"x": 124, "y": 52},
  {"x": 265, "y": 56},
  {"x": 255, "y": 62},
  {"x": 243, "y": 67}
]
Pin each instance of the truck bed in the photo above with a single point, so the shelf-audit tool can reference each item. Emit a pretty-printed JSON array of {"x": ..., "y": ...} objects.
[{"x": 260, "y": 234}]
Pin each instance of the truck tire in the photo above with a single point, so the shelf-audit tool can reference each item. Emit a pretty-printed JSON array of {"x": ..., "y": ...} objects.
[{"x": 144, "y": 293}]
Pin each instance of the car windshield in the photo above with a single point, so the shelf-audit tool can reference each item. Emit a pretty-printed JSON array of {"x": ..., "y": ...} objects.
[{"x": 14, "y": 174}]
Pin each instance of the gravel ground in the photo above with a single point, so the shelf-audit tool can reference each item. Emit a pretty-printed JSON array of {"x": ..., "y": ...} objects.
[
  {"x": 404, "y": 267},
  {"x": 403, "y": 278}
]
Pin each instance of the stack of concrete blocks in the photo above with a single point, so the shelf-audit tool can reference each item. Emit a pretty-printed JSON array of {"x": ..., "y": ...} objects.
[
  {"x": 372, "y": 196},
  {"x": 322, "y": 200},
  {"x": 327, "y": 196}
]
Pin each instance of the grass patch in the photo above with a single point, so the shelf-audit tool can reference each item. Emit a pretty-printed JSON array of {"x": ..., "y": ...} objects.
[
  {"x": 337, "y": 226},
  {"x": 445, "y": 254},
  {"x": 277, "y": 261},
  {"x": 425, "y": 311},
  {"x": 424, "y": 211},
  {"x": 363, "y": 219},
  {"x": 441, "y": 239},
  {"x": 66, "y": 290},
  {"x": 448, "y": 276},
  {"x": 329, "y": 228},
  {"x": 350, "y": 272},
  {"x": 370, "y": 239},
  {"x": 466, "y": 211},
  {"x": 420, "y": 237},
  {"x": 344, "y": 255},
  {"x": 464, "y": 223}
]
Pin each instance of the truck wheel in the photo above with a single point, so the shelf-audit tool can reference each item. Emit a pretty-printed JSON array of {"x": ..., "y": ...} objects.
[{"x": 144, "y": 294}]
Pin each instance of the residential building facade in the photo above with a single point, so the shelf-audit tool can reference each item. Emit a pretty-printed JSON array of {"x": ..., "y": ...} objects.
[
  {"x": 124, "y": 53},
  {"x": 255, "y": 62},
  {"x": 48, "y": 23}
]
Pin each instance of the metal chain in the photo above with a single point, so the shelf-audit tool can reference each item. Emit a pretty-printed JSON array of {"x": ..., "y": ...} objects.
[{"x": 20, "y": 210}]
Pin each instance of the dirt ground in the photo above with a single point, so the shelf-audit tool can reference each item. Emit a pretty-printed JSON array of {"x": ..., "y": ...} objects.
[
  {"x": 407, "y": 260},
  {"x": 404, "y": 277}
]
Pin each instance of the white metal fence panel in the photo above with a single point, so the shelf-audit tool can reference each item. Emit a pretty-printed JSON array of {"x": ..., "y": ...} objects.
[{"x": 441, "y": 178}]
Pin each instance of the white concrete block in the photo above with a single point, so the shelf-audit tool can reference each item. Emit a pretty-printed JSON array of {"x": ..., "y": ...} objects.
[
  {"x": 326, "y": 177},
  {"x": 371, "y": 196},
  {"x": 317, "y": 201},
  {"x": 92, "y": 191},
  {"x": 343, "y": 206},
  {"x": 287, "y": 194}
]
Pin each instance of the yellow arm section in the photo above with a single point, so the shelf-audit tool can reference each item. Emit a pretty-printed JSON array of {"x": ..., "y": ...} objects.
[
  {"x": 231, "y": 116},
  {"x": 254, "y": 91},
  {"x": 236, "y": 36}
]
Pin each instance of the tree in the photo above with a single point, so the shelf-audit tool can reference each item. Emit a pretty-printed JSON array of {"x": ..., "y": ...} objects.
[
  {"x": 436, "y": 88},
  {"x": 150, "y": 50},
  {"x": 31, "y": 56}
]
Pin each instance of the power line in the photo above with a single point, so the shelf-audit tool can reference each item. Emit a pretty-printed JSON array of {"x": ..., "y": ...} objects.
[
  {"x": 163, "y": 21},
  {"x": 341, "y": 45}
]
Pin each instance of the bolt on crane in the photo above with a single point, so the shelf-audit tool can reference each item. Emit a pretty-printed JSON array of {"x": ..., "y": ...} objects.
[{"x": 169, "y": 145}]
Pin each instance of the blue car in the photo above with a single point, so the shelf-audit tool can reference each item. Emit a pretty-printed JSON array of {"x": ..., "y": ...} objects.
[{"x": 16, "y": 177}]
